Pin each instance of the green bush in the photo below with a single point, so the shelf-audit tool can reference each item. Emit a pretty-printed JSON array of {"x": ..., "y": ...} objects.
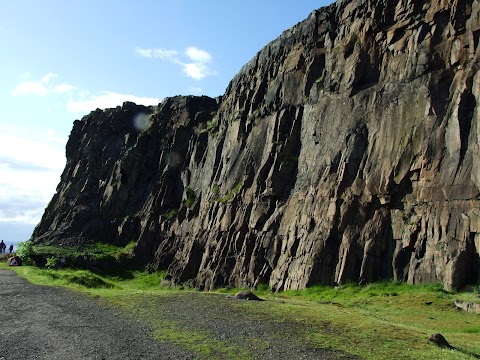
[{"x": 26, "y": 252}]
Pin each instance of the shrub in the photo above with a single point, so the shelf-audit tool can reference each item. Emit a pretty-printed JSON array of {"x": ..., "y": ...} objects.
[
  {"x": 51, "y": 262},
  {"x": 26, "y": 252}
]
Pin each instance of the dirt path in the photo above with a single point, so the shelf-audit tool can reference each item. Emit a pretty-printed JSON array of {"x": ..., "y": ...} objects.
[
  {"x": 52, "y": 323},
  {"x": 38, "y": 322}
]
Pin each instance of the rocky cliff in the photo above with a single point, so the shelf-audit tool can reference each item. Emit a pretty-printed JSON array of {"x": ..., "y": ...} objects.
[{"x": 345, "y": 150}]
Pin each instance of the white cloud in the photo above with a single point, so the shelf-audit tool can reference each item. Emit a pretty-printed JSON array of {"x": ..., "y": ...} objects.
[
  {"x": 30, "y": 166},
  {"x": 31, "y": 148},
  {"x": 198, "y": 55},
  {"x": 32, "y": 160},
  {"x": 108, "y": 100},
  {"x": 196, "y": 68},
  {"x": 41, "y": 87},
  {"x": 196, "y": 71},
  {"x": 36, "y": 88},
  {"x": 63, "y": 88},
  {"x": 46, "y": 78},
  {"x": 26, "y": 217},
  {"x": 81, "y": 101}
]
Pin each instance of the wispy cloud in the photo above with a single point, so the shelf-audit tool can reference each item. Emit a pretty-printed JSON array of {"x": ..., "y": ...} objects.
[
  {"x": 196, "y": 63},
  {"x": 42, "y": 87},
  {"x": 165, "y": 54},
  {"x": 108, "y": 100},
  {"x": 82, "y": 101}
]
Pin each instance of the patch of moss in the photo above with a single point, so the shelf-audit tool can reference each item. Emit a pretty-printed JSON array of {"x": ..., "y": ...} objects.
[
  {"x": 215, "y": 189},
  {"x": 171, "y": 213},
  {"x": 211, "y": 125},
  {"x": 191, "y": 197},
  {"x": 231, "y": 194}
]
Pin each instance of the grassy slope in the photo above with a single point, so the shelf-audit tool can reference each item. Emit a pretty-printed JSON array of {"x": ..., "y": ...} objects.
[{"x": 378, "y": 321}]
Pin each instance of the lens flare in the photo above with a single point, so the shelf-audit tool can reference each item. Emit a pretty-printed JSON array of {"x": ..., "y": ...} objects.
[
  {"x": 174, "y": 160},
  {"x": 141, "y": 122}
]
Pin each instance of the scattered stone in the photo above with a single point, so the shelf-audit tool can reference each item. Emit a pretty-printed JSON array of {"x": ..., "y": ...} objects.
[
  {"x": 439, "y": 340},
  {"x": 467, "y": 306},
  {"x": 166, "y": 283},
  {"x": 14, "y": 261},
  {"x": 247, "y": 295}
]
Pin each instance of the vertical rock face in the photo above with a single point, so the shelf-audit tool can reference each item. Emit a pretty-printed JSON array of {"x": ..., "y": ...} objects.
[{"x": 345, "y": 150}]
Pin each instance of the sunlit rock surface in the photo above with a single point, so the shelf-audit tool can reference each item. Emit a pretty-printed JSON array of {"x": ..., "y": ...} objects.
[{"x": 345, "y": 150}]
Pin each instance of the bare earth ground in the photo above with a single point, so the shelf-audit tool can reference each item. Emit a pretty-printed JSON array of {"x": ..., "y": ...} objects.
[{"x": 40, "y": 322}]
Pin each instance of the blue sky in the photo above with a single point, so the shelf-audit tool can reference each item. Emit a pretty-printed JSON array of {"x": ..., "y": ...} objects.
[{"x": 62, "y": 59}]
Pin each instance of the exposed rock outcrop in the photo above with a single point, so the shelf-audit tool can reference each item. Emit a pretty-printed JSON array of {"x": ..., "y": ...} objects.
[
  {"x": 247, "y": 295},
  {"x": 345, "y": 150},
  {"x": 439, "y": 340},
  {"x": 468, "y": 306}
]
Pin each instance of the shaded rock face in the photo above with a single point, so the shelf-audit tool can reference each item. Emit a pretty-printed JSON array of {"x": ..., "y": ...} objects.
[{"x": 345, "y": 150}]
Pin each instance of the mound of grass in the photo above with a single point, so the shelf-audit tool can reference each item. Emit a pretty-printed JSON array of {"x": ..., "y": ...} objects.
[
  {"x": 76, "y": 279},
  {"x": 79, "y": 278}
]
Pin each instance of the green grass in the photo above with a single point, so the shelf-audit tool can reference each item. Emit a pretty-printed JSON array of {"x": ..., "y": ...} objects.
[
  {"x": 379, "y": 321},
  {"x": 396, "y": 318},
  {"x": 76, "y": 279}
]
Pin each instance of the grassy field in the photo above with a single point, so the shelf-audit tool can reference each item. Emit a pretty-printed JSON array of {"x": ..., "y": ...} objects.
[{"x": 378, "y": 321}]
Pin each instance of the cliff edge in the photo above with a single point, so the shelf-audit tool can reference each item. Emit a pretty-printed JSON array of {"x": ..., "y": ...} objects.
[{"x": 345, "y": 150}]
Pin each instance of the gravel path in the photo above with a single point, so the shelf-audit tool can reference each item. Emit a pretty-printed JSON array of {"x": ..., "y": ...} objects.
[
  {"x": 229, "y": 320},
  {"x": 39, "y": 322},
  {"x": 52, "y": 323}
]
